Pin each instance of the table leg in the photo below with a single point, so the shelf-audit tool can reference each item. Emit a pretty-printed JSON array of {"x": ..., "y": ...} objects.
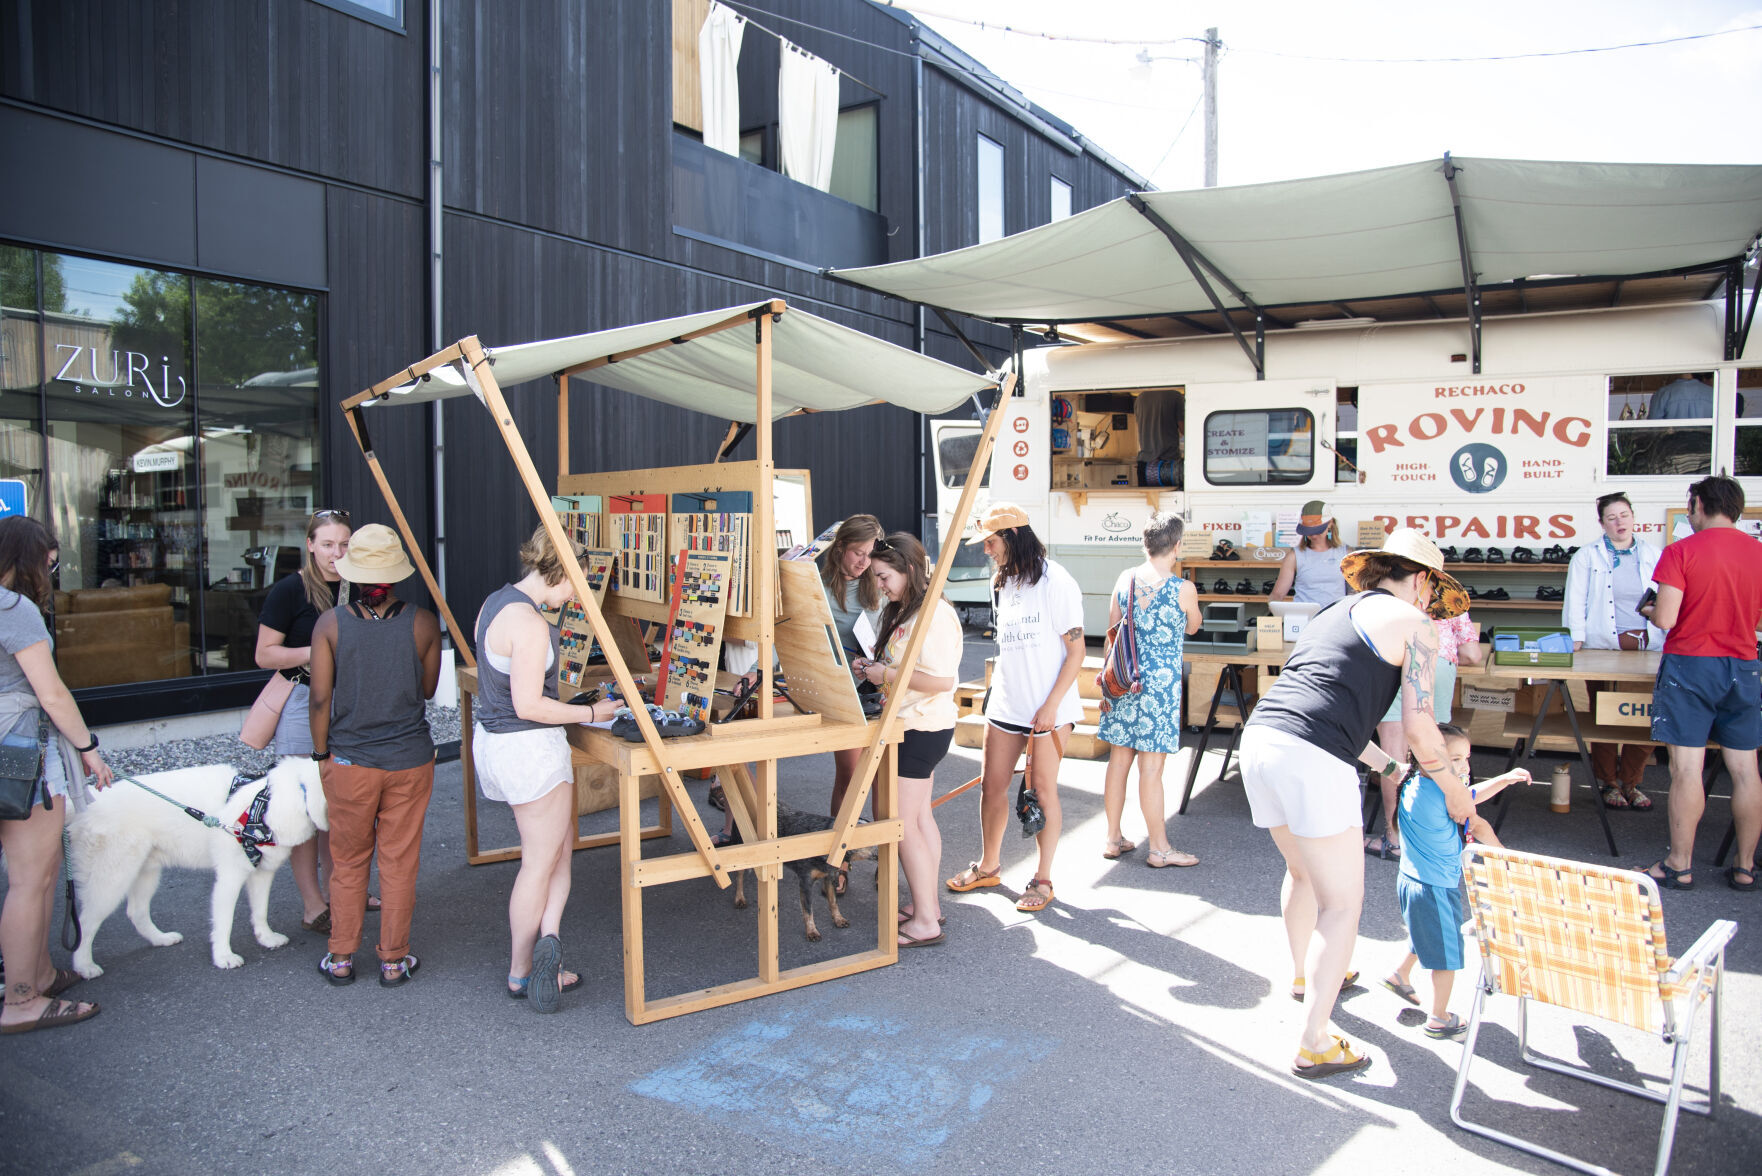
[
  {"x": 1204, "y": 738},
  {"x": 1244, "y": 708},
  {"x": 1584, "y": 755}
]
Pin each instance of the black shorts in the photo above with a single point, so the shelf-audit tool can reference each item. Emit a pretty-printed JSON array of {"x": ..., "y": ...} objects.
[{"x": 921, "y": 751}]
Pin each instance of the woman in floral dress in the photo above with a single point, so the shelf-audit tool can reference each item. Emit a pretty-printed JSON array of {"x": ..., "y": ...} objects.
[{"x": 1146, "y": 725}]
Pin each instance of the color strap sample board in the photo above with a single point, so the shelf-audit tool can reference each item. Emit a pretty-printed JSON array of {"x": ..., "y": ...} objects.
[
  {"x": 580, "y": 516},
  {"x": 576, "y": 642},
  {"x": 694, "y": 632},
  {"x": 719, "y": 521},
  {"x": 639, "y": 535}
]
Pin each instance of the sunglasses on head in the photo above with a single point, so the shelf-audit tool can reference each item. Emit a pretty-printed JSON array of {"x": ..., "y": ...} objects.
[
  {"x": 330, "y": 514},
  {"x": 881, "y": 545}
]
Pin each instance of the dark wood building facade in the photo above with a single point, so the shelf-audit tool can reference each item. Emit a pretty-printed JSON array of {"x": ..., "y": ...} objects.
[{"x": 544, "y": 188}]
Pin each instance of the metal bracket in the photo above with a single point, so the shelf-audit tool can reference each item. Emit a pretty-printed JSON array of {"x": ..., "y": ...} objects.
[
  {"x": 1470, "y": 291},
  {"x": 1194, "y": 259},
  {"x": 1737, "y": 335},
  {"x": 972, "y": 348}
]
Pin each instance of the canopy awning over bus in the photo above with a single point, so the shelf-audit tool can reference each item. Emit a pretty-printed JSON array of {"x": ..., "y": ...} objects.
[
  {"x": 706, "y": 363},
  {"x": 1322, "y": 246}
]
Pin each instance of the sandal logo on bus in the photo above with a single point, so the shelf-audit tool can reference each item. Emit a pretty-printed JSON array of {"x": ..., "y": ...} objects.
[{"x": 1478, "y": 468}]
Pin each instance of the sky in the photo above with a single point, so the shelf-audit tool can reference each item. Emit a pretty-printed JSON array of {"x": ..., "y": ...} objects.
[{"x": 1282, "y": 117}]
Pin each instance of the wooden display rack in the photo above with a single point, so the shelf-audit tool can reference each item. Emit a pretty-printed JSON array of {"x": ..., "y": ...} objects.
[{"x": 798, "y": 633}]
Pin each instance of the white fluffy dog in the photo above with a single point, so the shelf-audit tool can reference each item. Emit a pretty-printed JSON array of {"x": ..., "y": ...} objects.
[{"x": 126, "y": 836}]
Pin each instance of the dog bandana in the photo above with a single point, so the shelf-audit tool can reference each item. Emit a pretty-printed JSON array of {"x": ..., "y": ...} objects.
[{"x": 251, "y": 830}]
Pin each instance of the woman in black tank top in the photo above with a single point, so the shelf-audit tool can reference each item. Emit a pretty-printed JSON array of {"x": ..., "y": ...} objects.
[{"x": 1301, "y": 746}]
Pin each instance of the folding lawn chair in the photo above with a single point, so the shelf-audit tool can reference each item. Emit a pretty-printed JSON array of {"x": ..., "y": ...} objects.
[{"x": 1589, "y": 939}]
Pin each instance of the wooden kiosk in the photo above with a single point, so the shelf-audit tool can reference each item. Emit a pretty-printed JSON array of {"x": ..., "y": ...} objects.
[{"x": 749, "y": 365}]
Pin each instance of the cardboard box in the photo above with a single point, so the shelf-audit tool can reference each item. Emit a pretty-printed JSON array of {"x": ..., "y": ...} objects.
[
  {"x": 1271, "y": 633},
  {"x": 1488, "y": 699},
  {"x": 1624, "y": 709}
]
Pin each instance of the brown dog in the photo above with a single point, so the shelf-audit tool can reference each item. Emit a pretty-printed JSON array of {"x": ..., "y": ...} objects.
[{"x": 791, "y": 822}]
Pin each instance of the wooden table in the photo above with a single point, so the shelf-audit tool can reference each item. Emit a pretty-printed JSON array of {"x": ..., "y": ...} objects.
[
  {"x": 1621, "y": 666},
  {"x": 1231, "y": 663}
]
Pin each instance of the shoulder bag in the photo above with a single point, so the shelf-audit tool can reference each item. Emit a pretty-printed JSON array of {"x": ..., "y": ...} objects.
[
  {"x": 1119, "y": 658},
  {"x": 21, "y": 770},
  {"x": 259, "y": 726}
]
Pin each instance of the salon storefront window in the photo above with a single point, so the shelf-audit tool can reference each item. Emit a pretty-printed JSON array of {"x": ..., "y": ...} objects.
[{"x": 181, "y": 425}]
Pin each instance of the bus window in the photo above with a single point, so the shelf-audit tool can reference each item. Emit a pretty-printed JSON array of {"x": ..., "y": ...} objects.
[
  {"x": 954, "y": 451},
  {"x": 1260, "y": 447},
  {"x": 1346, "y": 435},
  {"x": 1660, "y": 424},
  {"x": 1748, "y": 461}
]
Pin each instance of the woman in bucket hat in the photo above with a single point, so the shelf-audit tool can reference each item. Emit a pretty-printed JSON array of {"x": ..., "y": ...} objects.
[
  {"x": 1303, "y": 743},
  {"x": 1313, "y": 566},
  {"x": 375, "y": 663}
]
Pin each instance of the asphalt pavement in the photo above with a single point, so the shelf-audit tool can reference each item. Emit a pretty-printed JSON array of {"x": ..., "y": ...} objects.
[{"x": 1141, "y": 1024}]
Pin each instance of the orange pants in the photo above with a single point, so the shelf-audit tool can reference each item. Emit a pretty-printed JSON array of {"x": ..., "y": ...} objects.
[
  {"x": 369, "y": 809},
  {"x": 1617, "y": 763}
]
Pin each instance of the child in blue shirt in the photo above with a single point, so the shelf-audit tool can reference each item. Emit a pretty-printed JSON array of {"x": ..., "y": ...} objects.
[{"x": 1430, "y": 883}]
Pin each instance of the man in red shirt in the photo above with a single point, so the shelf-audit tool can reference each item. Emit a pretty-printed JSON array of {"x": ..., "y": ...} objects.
[{"x": 1709, "y": 684}]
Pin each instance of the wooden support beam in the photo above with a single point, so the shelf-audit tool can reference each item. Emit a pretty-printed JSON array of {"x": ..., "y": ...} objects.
[
  {"x": 858, "y": 793},
  {"x": 408, "y": 376},
  {"x": 483, "y": 383},
  {"x": 680, "y": 867},
  {"x": 410, "y": 544},
  {"x": 562, "y": 426}
]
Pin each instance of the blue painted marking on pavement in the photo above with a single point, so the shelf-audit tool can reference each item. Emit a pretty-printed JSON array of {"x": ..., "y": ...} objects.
[
  {"x": 11, "y": 498},
  {"x": 846, "y": 1083}
]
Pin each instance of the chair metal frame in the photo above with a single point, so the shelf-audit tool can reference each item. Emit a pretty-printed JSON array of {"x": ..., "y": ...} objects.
[{"x": 1683, "y": 986}]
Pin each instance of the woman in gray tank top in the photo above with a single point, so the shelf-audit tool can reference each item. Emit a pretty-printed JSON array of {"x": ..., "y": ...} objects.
[
  {"x": 1311, "y": 570},
  {"x": 375, "y": 664},
  {"x": 520, "y": 752}
]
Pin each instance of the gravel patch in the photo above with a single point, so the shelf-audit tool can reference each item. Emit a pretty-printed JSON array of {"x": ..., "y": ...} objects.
[{"x": 443, "y": 724}]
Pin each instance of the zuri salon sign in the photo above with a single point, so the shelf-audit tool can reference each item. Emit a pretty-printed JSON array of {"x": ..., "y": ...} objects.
[
  {"x": 1517, "y": 441},
  {"x": 95, "y": 371}
]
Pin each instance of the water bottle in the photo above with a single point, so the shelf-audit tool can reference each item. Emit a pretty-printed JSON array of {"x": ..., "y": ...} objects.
[{"x": 1560, "y": 791}]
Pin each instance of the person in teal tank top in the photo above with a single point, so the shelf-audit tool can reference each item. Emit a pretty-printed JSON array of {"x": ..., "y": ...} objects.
[{"x": 1146, "y": 726}]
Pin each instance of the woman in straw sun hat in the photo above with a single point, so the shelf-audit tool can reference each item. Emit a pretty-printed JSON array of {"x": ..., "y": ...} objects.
[
  {"x": 1312, "y": 568},
  {"x": 1301, "y": 747},
  {"x": 375, "y": 663}
]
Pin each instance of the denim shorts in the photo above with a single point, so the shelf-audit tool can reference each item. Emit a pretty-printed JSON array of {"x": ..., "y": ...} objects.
[{"x": 1697, "y": 698}]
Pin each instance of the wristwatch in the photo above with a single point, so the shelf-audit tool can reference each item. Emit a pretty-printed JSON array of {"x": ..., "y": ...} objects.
[
  {"x": 321, "y": 755},
  {"x": 92, "y": 746}
]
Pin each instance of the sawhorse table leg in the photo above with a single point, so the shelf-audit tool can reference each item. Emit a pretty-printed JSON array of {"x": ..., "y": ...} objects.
[
  {"x": 1584, "y": 755},
  {"x": 1230, "y": 676}
]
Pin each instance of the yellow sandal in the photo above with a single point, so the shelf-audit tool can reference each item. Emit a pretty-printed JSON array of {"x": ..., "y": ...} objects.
[
  {"x": 972, "y": 878},
  {"x": 1321, "y": 1064},
  {"x": 1299, "y": 984}
]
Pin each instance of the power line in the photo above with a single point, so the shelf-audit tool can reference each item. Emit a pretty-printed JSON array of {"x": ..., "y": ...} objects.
[
  {"x": 1497, "y": 57},
  {"x": 992, "y": 26}
]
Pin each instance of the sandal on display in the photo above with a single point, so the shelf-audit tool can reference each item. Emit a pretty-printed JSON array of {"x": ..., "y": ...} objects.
[
  {"x": 1266, "y": 586},
  {"x": 669, "y": 724},
  {"x": 1668, "y": 878},
  {"x": 1497, "y": 594},
  {"x": 1037, "y": 897},
  {"x": 1449, "y": 554},
  {"x": 1613, "y": 799},
  {"x": 1474, "y": 555},
  {"x": 1245, "y": 587},
  {"x": 55, "y": 1014},
  {"x": 1299, "y": 984},
  {"x": 972, "y": 878},
  {"x": 1405, "y": 991},
  {"x": 1336, "y": 1059},
  {"x": 339, "y": 970},
  {"x": 1453, "y": 1027},
  {"x": 1158, "y": 859},
  {"x": 1523, "y": 555},
  {"x": 392, "y": 973},
  {"x": 1494, "y": 555},
  {"x": 1221, "y": 586},
  {"x": 1554, "y": 554},
  {"x": 1117, "y": 847}
]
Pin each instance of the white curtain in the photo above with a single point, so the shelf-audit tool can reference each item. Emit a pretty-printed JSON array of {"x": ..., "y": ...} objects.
[
  {"x": 718, "y": 55},
  {"x": 807, "y": 116}
]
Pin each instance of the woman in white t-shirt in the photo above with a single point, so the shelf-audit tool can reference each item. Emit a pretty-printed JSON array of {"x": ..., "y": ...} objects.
[
  {"x": 1039, "y": 618},
  {"x": 927, "y": 713}
]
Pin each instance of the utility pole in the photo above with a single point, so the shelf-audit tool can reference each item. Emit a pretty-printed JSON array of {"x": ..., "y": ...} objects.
[{"x": 1211, "y": 48}]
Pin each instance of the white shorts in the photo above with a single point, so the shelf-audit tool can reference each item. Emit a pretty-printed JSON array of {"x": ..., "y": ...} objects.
[
  {"x": 520, "y": 766},
  {"x": 1292, "y": 782}
]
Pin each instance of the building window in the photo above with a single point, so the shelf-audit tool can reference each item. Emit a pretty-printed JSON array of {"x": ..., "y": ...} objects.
[
  {"x": 180, "y": 421},
  {"x": 1660, "y": 424},
  {"x": 385, "y": 13},
  {"x": 1061, "y": 199},
  {"x": 1747, "y": 462},
  {"x": 21, "y": 368},
  {"x": 854, "y": 161},
  {"x": 1262, "y": 447},
  {"x": 990, "y": 190}
]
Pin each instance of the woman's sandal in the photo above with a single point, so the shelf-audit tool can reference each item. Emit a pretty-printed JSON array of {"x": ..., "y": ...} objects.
[
  {"x": 1300, "y": 985},
  {"x": 393, "y": 973},
  {"x": 972, "y": 878},
  {"x": 1670, "y": 879},
  {"x": 905, "y": 916},
  {"x": 1158, "y": 859},
  {"x": 1613, "y": 798},
  {"x": 339, "y": 970},
  {"x": 1638, "y": 801},
  {"x": 65, "y": 979},
  {"x": 1389, "y": 851},
  {"x": 1033, "y": 899},
  {"x": 55, "y": 1014},
  {"x": 1117, "y": 848},
  {"x": 1731, "y": 878},
  {"x": 519, "y": 984},
  {"x": 319, "y": 924},
  {"x": 1321, "y": 1064}
]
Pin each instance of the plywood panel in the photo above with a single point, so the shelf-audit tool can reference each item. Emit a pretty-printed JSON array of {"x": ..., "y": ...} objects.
[
  {"x": 808, "y": 647},
  {"x": 688, "y": 100}
]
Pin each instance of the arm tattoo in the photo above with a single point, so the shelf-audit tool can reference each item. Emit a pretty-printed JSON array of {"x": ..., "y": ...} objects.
[
  {"x": 1419, "y": 675},
  {"x": 1074, "y": 634}
]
